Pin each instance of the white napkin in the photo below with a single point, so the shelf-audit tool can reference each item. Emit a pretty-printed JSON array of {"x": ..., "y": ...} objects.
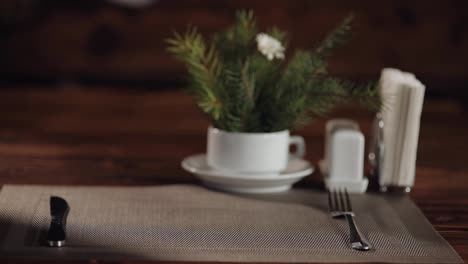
[{"x": 403, "y": 97}]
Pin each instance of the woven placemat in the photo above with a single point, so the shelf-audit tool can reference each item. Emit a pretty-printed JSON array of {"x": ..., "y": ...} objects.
[{"x": 191, "y": 223}]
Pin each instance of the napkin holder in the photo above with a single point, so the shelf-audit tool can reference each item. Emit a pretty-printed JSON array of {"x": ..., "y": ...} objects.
[
  {"x": 376, "y": 157},
  {"x": 397, "y": 130},
  {"x": 343, "y": 166}
]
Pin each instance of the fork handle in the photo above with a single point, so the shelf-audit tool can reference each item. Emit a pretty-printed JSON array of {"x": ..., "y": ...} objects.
[{"x": 357, "y": 239}]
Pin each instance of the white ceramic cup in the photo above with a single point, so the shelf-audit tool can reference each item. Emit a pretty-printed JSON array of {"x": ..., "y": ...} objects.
[{"x": 258, "y": 153}]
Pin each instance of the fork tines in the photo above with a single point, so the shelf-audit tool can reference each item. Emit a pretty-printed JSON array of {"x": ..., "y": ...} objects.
[{"x": 339, "y": 202}]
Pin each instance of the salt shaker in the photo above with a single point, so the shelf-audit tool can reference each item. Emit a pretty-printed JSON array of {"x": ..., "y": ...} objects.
[
  {"x": 331, "y": 127},
  {"x": 345, "y": 160}
]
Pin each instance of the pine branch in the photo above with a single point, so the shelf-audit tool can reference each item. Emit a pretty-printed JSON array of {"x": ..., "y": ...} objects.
[
  {"x": 239, "y": 84},
  {"x": 204, "y": 69},
  {"x": 248, "y": 83},
  {"x": 292, "y": 92},
  {"x": 367, "y": 95},
  {"x": 241, "y": 90},
  {"x": 329, "y": 92},
  {"x": 335, "y": 38},
  {"x": 237, "y": 42}
]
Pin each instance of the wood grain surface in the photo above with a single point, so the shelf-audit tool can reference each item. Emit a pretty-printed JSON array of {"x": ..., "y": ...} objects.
[
  {"x": 95, "y": 41},
  {"x": 73, "y": 135}
]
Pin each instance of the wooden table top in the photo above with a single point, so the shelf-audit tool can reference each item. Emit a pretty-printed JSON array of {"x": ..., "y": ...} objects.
[{"x": 81, "y": 136}]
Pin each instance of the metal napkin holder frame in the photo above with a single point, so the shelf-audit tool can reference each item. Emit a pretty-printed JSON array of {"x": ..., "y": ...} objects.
[{"x": 376, "y": 157}]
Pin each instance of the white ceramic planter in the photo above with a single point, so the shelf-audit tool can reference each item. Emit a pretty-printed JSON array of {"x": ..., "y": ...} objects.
[{"x": 259, "y": 153}]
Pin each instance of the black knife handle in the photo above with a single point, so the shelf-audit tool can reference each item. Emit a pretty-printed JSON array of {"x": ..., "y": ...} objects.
[
  {"x": 56, "y": 235},
  {"x": 59, "y": 211}
]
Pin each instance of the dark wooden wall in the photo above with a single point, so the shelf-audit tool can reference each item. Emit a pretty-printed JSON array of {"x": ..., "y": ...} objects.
[{"x": 97, "y": 42}]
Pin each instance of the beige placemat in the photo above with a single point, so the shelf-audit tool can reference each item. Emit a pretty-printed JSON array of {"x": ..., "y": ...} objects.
[{"x": 191, "y": 223}]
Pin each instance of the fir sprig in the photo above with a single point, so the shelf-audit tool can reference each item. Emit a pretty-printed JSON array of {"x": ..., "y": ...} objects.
[
  {"x": 336, "y": 37},
  {"x": 243, "y": 90},
  {"x": 204, "y": 68}
]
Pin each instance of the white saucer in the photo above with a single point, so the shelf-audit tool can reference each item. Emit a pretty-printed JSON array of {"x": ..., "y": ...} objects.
[{"x": 247, "y": 183}]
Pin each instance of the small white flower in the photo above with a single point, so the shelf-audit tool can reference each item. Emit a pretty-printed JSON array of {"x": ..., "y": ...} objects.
[{"x": 269, "y": 46}]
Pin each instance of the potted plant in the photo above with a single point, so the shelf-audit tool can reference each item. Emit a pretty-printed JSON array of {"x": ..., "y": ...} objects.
[{"x": 255, "y": 91}]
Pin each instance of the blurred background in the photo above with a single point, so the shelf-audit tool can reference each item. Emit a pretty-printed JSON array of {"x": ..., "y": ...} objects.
[{"x": 120, "y": 43}]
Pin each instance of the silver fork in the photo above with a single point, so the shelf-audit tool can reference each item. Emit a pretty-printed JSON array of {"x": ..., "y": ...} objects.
[{"x": 339, "y": 204}]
